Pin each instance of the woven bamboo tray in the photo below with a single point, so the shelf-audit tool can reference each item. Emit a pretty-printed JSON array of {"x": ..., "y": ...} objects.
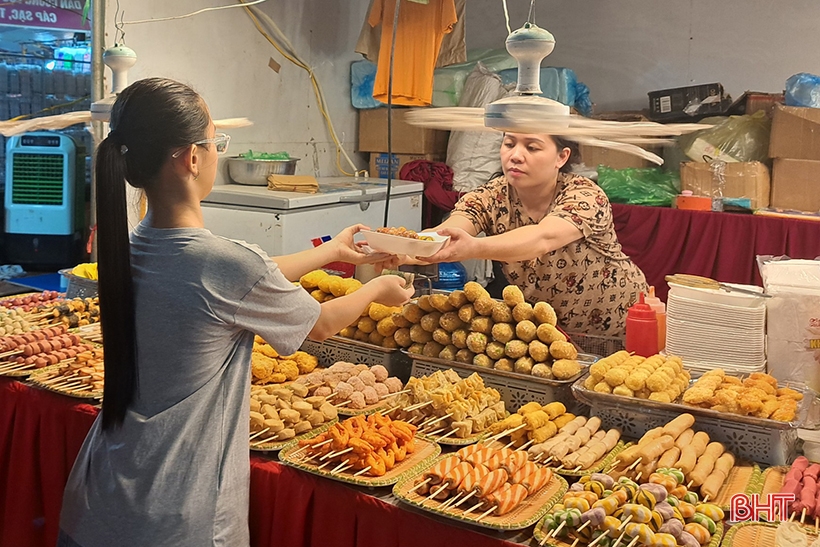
[
  {"x": 425, "y": 451},
  {"x": 369, "y": 409},
  {"x": 758, "y": 534},
  {"x": 600, "y": 465},
  {"x": 529, "y": 512},
  {"x": 453, "y": 441},
  {"x": 746, "y": 478},
  {"x": 18, "y": 373},
  {"x": 773, "y": 479},
  {"x": 562, "y": 542},
  {"x": 39, "y": 376},
  {"x": 279, "y": 445}
]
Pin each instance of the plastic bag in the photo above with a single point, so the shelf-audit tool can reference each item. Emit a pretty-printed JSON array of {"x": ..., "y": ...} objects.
[
  {"x": 732, "y": 139},
  {"x": 362, "y": 80},
  {"x": 639, "y": 186},
  {"x": 803, "y": 90},
  {"x": 448, "y": 82}
]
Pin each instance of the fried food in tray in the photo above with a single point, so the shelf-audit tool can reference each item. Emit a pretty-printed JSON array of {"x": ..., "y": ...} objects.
[
  {"x": 268, "y": 367},
  {"x": 758, "y": 395},
  {"x": 656, "y": 378},
  {"x": 37, "y": 349},
  {"x": 281, "y": 413},
  {"x": 401, "y": 231},
  {"x": 79, "y": 376},
  {"x": 354, "y": 388}
]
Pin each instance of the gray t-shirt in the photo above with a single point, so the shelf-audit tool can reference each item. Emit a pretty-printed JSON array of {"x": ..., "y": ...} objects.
[{"x": 177, "y": 473}]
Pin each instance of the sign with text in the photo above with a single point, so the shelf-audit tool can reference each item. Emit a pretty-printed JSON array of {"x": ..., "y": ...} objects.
[
  {"x": 774, "y": 508},
  {"x": 56, "y": 14}
]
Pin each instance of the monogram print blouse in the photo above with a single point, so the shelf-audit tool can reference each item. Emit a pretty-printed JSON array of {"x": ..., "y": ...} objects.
[{"x": 591, "y": 282}]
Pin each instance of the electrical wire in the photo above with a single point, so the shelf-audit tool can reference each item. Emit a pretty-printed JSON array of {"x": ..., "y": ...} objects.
[
  {"x": 390, "y": 112},
  {"x": 203, "y": 10},
  {"x": 506, "y": 16},
  {"x": 532, "y": 7},
  {"x": 286, "y": 49}
]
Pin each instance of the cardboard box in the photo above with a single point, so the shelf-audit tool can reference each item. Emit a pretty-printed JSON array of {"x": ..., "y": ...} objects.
[
  {"x": 407, "y": 139},
  {"x": 747, "y": 184},
  {"x": 688, "y": 103},
  {"x": 755, "y": 101},
  {"x": 795, "y": 133},
  {"x": 379, "y": 163},
  {"x": 593, "y": 156},
  {"x": 796, "y": 184}
]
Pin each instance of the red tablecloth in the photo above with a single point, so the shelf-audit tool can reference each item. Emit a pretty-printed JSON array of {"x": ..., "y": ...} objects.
[
  {"x": 41, "y": 434},
  {"x": 722, "y": 246}
]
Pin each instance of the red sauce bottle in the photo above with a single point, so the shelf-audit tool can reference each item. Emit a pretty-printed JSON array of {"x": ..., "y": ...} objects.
[{"x": 642, "y": 329}]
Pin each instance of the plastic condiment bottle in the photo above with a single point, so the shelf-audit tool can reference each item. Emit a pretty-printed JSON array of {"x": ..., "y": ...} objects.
[
  {"x": 660, "y": 312},
  {"x": 642, "y": 329}
]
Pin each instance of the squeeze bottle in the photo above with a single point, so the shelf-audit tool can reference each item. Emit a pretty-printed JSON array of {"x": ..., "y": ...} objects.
[
  {"x": 642, "y": 329},
  {"x": 660, "y": 312}
]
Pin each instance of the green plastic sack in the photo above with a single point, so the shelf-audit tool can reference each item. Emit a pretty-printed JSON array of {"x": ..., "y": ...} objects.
[
  {"x": 639, "y": 186},
  {"x": 736, "y": 138},
  {"x": 251, "y": 155}
]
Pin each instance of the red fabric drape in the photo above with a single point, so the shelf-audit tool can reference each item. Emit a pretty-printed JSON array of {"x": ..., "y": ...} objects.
[
  {"x": 722, "y": 246},
  {"x": 438, "y": 187}
]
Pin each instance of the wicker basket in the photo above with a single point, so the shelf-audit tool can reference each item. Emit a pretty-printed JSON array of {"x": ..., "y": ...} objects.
[{"x": 79, "y": 287}]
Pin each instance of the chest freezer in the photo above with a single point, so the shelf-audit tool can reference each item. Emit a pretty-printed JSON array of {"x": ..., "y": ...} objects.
[{"x": 287, "y": 222}]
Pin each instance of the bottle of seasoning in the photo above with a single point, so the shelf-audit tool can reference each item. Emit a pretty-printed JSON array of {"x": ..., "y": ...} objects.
[
  {"x": 642, "y": 329},
  {"x": 660, "y": 312}
]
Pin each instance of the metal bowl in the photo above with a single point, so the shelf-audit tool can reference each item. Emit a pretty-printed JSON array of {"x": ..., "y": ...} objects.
[{"x": 255, "y": 172}]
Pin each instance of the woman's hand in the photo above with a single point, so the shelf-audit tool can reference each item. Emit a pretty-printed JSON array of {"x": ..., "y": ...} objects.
[
  {"x": 347, "y": 250},
  {"x": 389, "y": 290},
  {"x": 461, "y": 246}
]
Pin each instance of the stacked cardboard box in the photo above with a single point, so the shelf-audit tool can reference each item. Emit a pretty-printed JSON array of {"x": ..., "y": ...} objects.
[{"x": 795, "y": 147}]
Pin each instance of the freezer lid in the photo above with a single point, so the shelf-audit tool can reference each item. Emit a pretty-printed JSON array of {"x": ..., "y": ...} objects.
[{"x": 332, "y": 190}]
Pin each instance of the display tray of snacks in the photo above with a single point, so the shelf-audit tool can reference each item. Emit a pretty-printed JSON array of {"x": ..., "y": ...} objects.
[
  {"x": 769, "y": 534},
  {"x": 382, "y": 454},
  {"x": 441, "y": 438},
  {"x": 513, "y": 496},
  {"x": 80, "y": 377},
  {"x": 26, "y": 353},
  {"x": 274, "y": 445},
  {"x": 800, "y": 480},
  {"x": 773, "y": 479},
  {"x": 268, "y": 367},
  {"x": 404, "y": 242}
]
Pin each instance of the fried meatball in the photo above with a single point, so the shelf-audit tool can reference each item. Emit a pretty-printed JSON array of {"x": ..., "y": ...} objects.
[
  {"x": 473, "y": 291},
  {"x": 522, "y": 312},
  {"x": 367, "y": 377},
  {"x": 402, "y": 338},
  {"x": 448, "y": 353},
  {"x": 548, "y": 334},
  {"x": 507, "y": 365},
  {"x": 482, "y": 360},
  {"x": 412, "y": 312},
  {"x": 390, "y": 343},
  {"x": 371, "y": 396},
  {"x": 442, "y": 336},
  {"x": 311, "y": 280},
  {"x": 318, "y": 295},
  {"x": 415, "y": 348},
  {"x": 339, "y": 288},
  {"x": 481, "y": 324},
  {"x": 494, "y": 350},
  {"x": 484, "y": 306},
  {"x": 400, "y": 320},
  {"x": 343, "y": 391},
  {"x": 362, "y": 336},
  {"x": 425, "y": 304},
  {"x": 544, "y": 313},
  {"x": 432, "y": 349},
  {"x": 324, "y": 391},
  {"x": 430, "y": 321},
  {"x": 450, "y": 321},
  {"x": 502, "y": 313},
  {"x": 465, "y": 356},
  {"x": 348, "y": 332},
  {"x": 512, "y": 295},
  {"x": 539, "y": 351},
  {"x": 466, "y": 313},
  {"x": 476, "y": 342},
  {"x": 459, "y": 338},
  {"x": 503, "y": 332},
  {"x": 366, "y": 324},
  {"x": 357, "y": 401},
  {"x": 457, "y": 299},
  {"x": 563, "y": 350},
  {"x": 323, "y": 284},
  {"x": 386, "y": 327},
  {"x": 419, "y": 335},
  {"x": 381, "y": 389},
  {"x": 376, "y": 338},
  {"x": 441, "y": 302},
  {"x": 515, "y": 349},
  {"x": 524, "y": 365},
  {"x": 542, "y": 370},
  {"x": 379, "y": 372},
  {"x": 564, "y": 369},
  {"x": 525, "y": 330},
  {"x": 393, "y": 384}
]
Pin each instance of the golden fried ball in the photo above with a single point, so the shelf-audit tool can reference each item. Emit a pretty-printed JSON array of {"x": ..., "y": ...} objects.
[
  {"x": 376, "y": 338},
  {"x": 348, "y": 332},
  {"x": 402, "y": 337},
  {"x": 623, "y": 391},
  {"x": 351, "y": 285},
  {"x": 542, "y": 370},
  {"x": 481, "y": 324},
  {"x": 441, "y": 302},
  {"x": 328, "y": 297},
  {"x": 333, "y": 284},
  {"x": 564, "y": 369},
  {"x": 544, "y": 313},
  {"x": 502, "y": 313},
  {"x": 377, "y": 311},
  {"x": 311, "y": 280},
  {"x": 512, "y": 295},
  {"x": 457, "y": 299},
  {"x": 476, "y": 342},
  {"x": 400, "y": 320},
  {"x": 515, "y": 349},
  {"x": 425, "y": 304},
  {"x": 442, "y": 336},
  {"x": 448, "y": 353},
  {"x": 362, "y": 336},
  {"x": 466, "y": 313},
  {"x": 563, "y": 350},
  {"x": 305, "y": 361},
  {"x": 432, "y": 349},
  {"x": 318, "y": 295},
  {"x": 419, "y": 335},
  {"x": 386, "y": 327},
  {"x": 484, "y": 306},
  {"x": 390, "y": 343},
  {"x": 366, "y": 325},
  {"x": 465, "y": 356},
  {"x": 525, "y": 330},
  {"x": 507, "y": 365},
  {"x": 524, "y": 365},
  {"x": 459, "y": 338},
  {"x": 450, "y": 321},
  {"x": 323, "y": 283},
  {"x": 522, "y": 312},
  {"x": 412, "y": 312},
  {"x": 616, "y": 376},
  {"x": 430, "y": 321},
  {"x": 473, "y": 291},
  {"x": 539, "y": 351},
  {"x": 495, "y": 350},
  {"x": 416, "y": 348},
  {"x": 338, "y": 287},
  {"x": 503, "y": 332},
  {"x": 602, "y": 387},
  {"x": 482, "y": 360},
  {"x": 548, "y": 334},
  {"x": 289, "y": 368}
]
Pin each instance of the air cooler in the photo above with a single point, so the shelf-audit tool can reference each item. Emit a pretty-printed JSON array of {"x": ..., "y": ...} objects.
[{"x": 44, "y": 200}]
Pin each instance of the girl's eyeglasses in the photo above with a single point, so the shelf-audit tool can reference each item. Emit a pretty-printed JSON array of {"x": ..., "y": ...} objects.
[{"x": 220, "y": 141}]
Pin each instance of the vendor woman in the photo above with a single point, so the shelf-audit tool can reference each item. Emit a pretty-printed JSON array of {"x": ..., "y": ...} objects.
[{"x": 553, "y": 233}]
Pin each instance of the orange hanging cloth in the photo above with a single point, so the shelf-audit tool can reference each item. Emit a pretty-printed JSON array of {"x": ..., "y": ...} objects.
[{"x": 419, "y": 34}]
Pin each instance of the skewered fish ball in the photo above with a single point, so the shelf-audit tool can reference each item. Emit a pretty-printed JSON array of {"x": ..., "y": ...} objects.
[
  {"x": 343, "y": 389},
  {"x": 379, "y": 372},
  {"x": 512, "y": 295},
  {"x": 357, "y": 400},
  {"x": 393, "y": 384},
  {"x": 371, "y": 396},
  {"x": 503, "y": 332},
  {"x": 381, "y": 389},
  {"x": 525, "y": 330}
]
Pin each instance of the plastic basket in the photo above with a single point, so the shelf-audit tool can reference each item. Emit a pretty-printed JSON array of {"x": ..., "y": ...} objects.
[
  {"x": 336, "y": 349},
  {"x": 79, "y": 287}
]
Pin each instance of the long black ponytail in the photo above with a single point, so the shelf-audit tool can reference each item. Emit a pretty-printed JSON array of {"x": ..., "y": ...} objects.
[{"x": 150, "y": 119}]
